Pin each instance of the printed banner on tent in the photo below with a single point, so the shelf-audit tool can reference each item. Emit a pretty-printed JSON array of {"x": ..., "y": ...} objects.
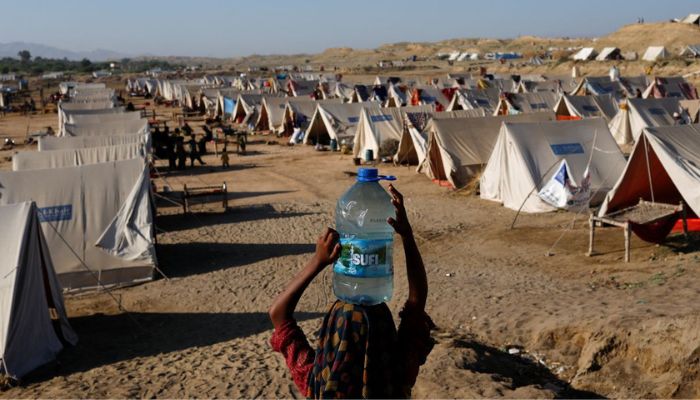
[{"x": 562, "y": 191}]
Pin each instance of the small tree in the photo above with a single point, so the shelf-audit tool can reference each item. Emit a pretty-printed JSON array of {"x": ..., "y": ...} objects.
[{"x": 24, "y": 56}]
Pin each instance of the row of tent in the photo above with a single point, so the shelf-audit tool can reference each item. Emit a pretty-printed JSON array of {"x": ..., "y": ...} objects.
[
  {"x": 240, "y": 99},
  {"x": 77, "y": 215},
  {"x": 652, "y": 53},
  {"x": 324, "y": 120},
  {"x": 513, "y": 151}
]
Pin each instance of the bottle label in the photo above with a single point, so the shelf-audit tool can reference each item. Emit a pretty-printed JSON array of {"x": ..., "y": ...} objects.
[{"x": 365, "y": 258}]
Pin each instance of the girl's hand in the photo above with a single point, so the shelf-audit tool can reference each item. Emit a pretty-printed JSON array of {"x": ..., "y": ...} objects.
[
  {"x": 327, "y": 248},
  {"x": 400, "y": 223}
]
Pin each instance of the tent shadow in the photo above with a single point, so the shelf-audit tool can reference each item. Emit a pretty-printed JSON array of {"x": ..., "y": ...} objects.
[
  {"x": 678, "y": 243},
  {"x": 208, "y": 169},
  {"x": 185, "y": 259},
  {"x": 180, "y": 221},
  {"x": 108, "y": 339},
  {"x": 516, "y": 371}
]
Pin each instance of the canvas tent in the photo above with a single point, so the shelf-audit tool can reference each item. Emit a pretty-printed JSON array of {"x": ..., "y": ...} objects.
[
  {"x": 379, "y": 125},
  {"x": 692, "y": 50},
  {"x": 525, "y": 103},
  {"x": 334, "y": 121},
  {"x": 30, "y": 294},
  {"x": 525, "y": 153},
  {"x": 585, "y": 54},
  {"x": 693, "y": 19},
  {"x": 413, "y": 143},
  {"x": 29, "y": 160},
  {"x": 620, "y": 89},
  {"x": 79, "y": 142},
  {"x": 675, "y": 86},
  {"x": 457, "y": 148},
  {"x": 271, "y": 117},
  {"x": 636, "y": 114},
  {"x": 469, "y": 99},
  {"x": 100, "y": 212},
  {"x": 100, "y": 107},
  {"x": 125, "y": 127},
  {"x": 664, "y": 167},
  {"x": 103, "y": 117},
  {"x": 246, "y": 107},
  {"x": 655, "y": 53},
  {"x": 579, "y": 107},
  {"x": 300, "y": 113},
  {"x": 609, "y": 53}
]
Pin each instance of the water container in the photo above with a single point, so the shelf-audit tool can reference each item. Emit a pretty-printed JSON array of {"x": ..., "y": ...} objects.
[
  {"x": 369, "y": 155},
  {"x": 364, "y": 273},
  {"x": 334, "y": 144}
]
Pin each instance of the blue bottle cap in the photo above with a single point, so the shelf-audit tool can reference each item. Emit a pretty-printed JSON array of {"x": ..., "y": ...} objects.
[{"x": 372, "y": 175}]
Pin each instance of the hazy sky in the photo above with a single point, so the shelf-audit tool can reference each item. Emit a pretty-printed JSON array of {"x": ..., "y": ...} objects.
[{"x": 234, "y": 28}]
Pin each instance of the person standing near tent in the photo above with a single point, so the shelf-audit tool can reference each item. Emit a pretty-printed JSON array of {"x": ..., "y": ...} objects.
[
  {"x": 180, "y": 152},
  {"x": 360, "y": 353},
  {"x": 194, "y": 152}
]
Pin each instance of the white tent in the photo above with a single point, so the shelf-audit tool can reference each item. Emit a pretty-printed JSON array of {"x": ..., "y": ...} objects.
[
  {"x": 79, "y": 142},
  {"x": 29, "y": 160},
  {"x": 585, "y": 54},
  {"x": 692, "y": 19},
  {"x": 126, "y": 127},
  {"x": 378, "y": 125},
  {"x": 246, "y": 106},
  {"x": 664, "y": 167},
  {"x": 106, "y": 205},
  {"x": 103, "y": 117},
  {"x": 525, "y": 155},
  {"x": 692, "y": 50},
  {"x": 469, "y": 99},
  {"x": 674, "y": 86},
  {"x": 29, "y": 295},
  {"x": 271, "y": 117},
  {"x": 636, "y": 114},
  {"x": 300, "y": 113},
  {"x": 98, "y": 107},
  {"x": 525, "y": 103},
  {"x": 654, "y": 53},
  {"x": 587, "y": 107},
  {"x": 334, "y": 121},
  {"x": 458, "y": 148},
  {"x": 609, "y": 53}
]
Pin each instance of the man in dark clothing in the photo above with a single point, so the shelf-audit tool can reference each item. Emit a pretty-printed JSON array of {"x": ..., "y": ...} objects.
[
  {"x": 181, "y": 153},
  {"x": 187, "y": 129},
  {"x": 172, "y": 157},
  {"x": 194, "y": 153}
]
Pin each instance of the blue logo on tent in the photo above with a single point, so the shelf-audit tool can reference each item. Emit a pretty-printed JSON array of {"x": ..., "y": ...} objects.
[
  {"x": 353, "y": 120},
  {"x": 56, "y": 213},
  {"x": 567, "y": 148},
  {"x": 380, "y": 118}
]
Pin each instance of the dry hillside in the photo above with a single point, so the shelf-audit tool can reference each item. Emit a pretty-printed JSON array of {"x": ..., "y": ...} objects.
[{"x": 638, "y": 37}]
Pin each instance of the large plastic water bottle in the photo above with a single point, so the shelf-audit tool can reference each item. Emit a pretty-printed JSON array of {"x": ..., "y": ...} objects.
[{"x": 364, "y": 273}]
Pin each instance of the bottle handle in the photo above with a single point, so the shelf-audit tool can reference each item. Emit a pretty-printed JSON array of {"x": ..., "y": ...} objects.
[{"x": 387, "y": 177}]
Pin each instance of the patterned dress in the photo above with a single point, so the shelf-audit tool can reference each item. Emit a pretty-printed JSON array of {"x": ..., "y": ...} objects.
[{"x": 360, "y": 354}]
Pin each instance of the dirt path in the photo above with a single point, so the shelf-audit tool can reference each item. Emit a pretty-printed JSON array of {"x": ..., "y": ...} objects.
[{"x": 583, "y": 326}]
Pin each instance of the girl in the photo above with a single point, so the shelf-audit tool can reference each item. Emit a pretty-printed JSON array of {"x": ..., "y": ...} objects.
[{"x": 360, "y": 353}]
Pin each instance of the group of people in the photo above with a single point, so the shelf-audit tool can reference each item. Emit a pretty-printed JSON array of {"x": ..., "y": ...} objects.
[{"x": 171, "y": 145}]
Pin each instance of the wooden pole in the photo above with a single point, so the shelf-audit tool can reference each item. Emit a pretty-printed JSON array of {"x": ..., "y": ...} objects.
[
  {"x": 591, "y": 236},
  {"x": 627, "y": 242}
]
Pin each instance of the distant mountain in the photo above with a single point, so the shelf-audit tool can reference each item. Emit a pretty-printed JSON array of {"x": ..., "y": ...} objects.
[{"x": 40, "y": 50}]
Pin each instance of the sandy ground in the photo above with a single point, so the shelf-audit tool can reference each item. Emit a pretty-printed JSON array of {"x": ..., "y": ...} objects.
[{"x": 583, "y": 327}]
